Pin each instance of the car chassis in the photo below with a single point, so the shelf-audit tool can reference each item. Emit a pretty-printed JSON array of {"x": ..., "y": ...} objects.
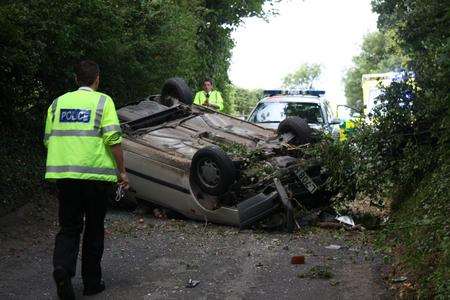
[{"x": 210, "y": 166}]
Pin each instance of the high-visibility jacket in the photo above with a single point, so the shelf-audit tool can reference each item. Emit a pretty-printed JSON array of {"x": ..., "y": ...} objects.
[
  {"x": 214, "y": 97},
  {"x": 79, "y": 129},
  {"x": 345, "y": 129}
]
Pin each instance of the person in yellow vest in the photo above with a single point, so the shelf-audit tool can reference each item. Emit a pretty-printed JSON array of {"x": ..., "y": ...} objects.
[
  {"x": 84, "y": 157},
  {"x": 209, "y": 97},
  {"x": 346, "y": 129}
]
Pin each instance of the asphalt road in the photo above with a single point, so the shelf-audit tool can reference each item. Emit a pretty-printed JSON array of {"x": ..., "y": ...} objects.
[{"x": 154, "y": 259}]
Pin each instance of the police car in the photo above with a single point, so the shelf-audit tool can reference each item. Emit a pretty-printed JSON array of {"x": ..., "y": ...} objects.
[{"x": 310, "y": 105}]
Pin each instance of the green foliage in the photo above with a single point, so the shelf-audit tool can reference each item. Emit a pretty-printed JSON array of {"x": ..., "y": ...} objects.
[
  {"x": 407, "y": 135},
  {"x": 402, "y": 152},
  {"x": 419, "y": 232},
  {"x": 243, "y": 100},
  {"x": 337, "y": 159},
  {"x": 379, "y": 53},
  {"x": 214, "y": 42},
  {"x": 138, "y": 45},
  {"x": 22, "y": 165},
  {"x": 423, "y": 30},
  {"x": 317, "y": 272},
  {"x": 303, "y": 78}
]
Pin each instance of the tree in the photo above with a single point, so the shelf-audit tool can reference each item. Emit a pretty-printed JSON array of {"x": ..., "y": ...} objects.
[
  {"x": 379, "y": 53},
  {"x": 243, "y": 100},
  {"x": 303, "y": 78},
  {"x": 421, "y": 171},
  {"x": 138, "y": 45},
  {"x": 218, "y": 19}
]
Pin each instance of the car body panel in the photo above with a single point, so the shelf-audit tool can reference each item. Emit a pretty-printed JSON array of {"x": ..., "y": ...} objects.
[{"x": 158, "y": 157}]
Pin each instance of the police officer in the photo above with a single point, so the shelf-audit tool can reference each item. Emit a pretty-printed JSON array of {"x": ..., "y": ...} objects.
[
  {"x": 83, "y": 138},
  {"x": 208, "y": 96}
]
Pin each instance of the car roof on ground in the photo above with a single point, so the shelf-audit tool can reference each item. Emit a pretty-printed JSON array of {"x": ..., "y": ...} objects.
[{"x": 292, "y": 98}]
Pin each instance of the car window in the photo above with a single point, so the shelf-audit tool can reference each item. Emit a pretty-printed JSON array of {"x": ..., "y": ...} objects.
[{"x": 275, "y": 112}]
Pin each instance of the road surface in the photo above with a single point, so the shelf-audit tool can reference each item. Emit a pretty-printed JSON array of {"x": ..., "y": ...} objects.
[{"x": 154, "y": 259}]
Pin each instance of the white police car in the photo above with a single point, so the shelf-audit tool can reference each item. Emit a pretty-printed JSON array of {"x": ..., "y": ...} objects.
[{"x": 308, "y": 105}]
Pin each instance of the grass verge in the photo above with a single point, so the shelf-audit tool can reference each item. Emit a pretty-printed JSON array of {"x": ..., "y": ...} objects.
[{"x": 418, "y": 237}]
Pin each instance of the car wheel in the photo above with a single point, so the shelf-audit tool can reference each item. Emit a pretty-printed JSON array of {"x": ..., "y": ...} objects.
[
  {"x": 212, "y": 170},
  {"x": 298, "y": 127},
  {"x": 177, "y": 88}
]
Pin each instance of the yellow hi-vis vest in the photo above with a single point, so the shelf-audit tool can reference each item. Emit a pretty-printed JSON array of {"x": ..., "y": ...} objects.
[
  {"x": 214, "y": 98},
  {"x": 79, "y": 129},
  {"x": 345, "y": 129}
]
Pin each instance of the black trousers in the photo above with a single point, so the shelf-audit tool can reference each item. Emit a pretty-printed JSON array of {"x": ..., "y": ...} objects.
[{"x": 82, "y": 203}]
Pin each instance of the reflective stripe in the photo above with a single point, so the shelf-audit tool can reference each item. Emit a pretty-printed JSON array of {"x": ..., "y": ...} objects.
[
  {"x": 111, "y": 128},
  {"x": 75, "y": 133},
  {"x": 54, "y": 104},
  {"x": 99, "y": 112},
  {"x": 81, "y": 169},
  {"x": 46, "y": 137}
]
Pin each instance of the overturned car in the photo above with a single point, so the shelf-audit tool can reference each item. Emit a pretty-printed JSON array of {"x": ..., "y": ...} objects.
[{"x": 210, "y": 166}]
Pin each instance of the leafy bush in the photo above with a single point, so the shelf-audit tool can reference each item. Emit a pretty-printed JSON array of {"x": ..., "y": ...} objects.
[
  {"x": 419, "y": 234},
  {"x": 403, "y": 152},
  {"x": 241, "y": 100},
  {"x": 138, "y": 45}
]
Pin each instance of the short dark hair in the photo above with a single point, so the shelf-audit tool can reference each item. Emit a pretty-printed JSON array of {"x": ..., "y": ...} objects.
[
  {"x": 208, "y": 80},
  {"x": 86, "y": 71}
]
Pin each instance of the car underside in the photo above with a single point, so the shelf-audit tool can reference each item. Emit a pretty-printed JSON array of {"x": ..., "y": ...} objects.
[{"x": 208, "y": 165}]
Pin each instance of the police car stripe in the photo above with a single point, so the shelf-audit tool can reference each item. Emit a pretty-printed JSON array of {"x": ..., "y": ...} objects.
[
  {"x": 111, "y": 128},
  {"x": 99, "y": 112},
  {"x": 75, "y": 133},
  {"x": 54, "y": 104},
  {"x": 81, "y": 169}
]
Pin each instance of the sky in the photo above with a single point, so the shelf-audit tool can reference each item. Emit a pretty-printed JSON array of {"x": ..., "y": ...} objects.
[{"x": 327, "y": 32}]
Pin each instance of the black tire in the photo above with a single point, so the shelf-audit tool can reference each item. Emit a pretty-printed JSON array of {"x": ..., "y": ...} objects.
[
  {"x": 297, "y": 126},
  {"x": 177, "y": 88},
  {"x": 212, "y": 170}
]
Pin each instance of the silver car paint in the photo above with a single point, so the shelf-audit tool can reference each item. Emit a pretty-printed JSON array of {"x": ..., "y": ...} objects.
[{"x": 158, "y": 159}]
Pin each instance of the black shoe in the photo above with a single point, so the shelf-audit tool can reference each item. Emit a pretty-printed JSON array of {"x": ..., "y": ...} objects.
[
  {"x": 63, "y": 284},
  {"x": 90, "y": 290}
]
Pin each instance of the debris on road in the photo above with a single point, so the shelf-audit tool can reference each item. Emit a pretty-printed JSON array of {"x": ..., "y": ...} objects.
[
  {"x": 192, "y": 283},
  {"x": 159, "y": 214},
  {"x": 399, "y": 279},
  {"x": 346, "y": 220},
  {"x": 333, "y": 247},
  {"x": 317, "y": 272},
  {"x": 330, "y": 225},
  {"x": 308, "y": 218},
  {"x": 298, "y": 260},
  {"x": 287, "y": 204},
  {"x": 334, "y": 282},
  {"x": 334, "y": 225}
]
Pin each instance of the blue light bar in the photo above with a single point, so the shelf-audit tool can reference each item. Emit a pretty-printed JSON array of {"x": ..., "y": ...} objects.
[
  {"x": 270, "y": 93},
  {"x": 315, "y": 93}
]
